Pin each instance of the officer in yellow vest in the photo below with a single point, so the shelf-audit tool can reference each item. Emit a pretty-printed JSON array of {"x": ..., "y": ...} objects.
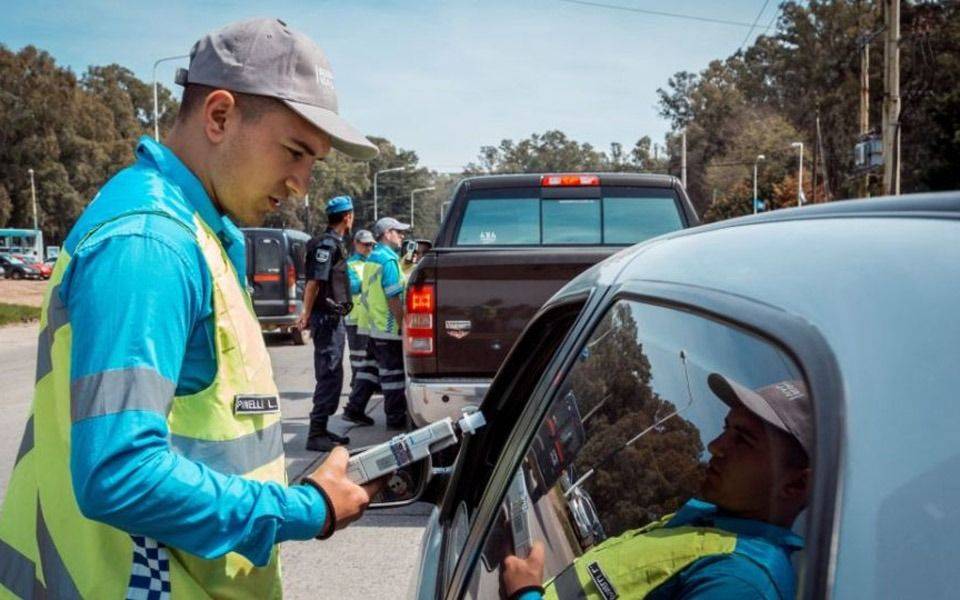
[
  {"x": 382, "y": 299},
  {"x": 152, "y": 462},
  {"x": 735, "y": 542},
  {"x": 358, "y": 327}
]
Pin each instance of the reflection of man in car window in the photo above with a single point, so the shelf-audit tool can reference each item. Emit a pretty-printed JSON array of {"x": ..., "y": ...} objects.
[{"x": 733, "y": 542}]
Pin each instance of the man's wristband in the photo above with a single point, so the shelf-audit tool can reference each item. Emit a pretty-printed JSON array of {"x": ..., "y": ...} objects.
[
  {"x": 331, "y": 524},
  {"x": 530, "y": 588}
]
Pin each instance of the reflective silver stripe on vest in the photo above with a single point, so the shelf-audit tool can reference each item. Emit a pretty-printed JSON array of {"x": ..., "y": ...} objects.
[
  {"x": 17, "y": 572},
  {"x": 55, "y": 574},
  {"x": 399, "y": 385},
  {"x": 388, "y": 372},
  {"x": 233, "y": 457},
  {"x": 26, "y": 443},
  {"x": 109, "y": 392},
  {"x": 56, "y": 318}
]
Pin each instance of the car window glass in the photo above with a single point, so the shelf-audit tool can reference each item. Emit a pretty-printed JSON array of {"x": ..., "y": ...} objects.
[
  {"x": 632, "y": 220},
  {"x": 500, "y": 222},
  {"x": 298, "y": 254},
  {"x": 637, "y": 440},
  {"x": 268, "y": 255},
  {"x": 571, "y": 221}
]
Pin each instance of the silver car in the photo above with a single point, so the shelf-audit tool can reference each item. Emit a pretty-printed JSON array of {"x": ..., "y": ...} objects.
[{"x": 602, "y": 415}]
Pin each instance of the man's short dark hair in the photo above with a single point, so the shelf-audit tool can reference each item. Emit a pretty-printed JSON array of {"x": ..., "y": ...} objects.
[
  {"x": 251, "y": 107},
  {"x": 337, "y": 218}
]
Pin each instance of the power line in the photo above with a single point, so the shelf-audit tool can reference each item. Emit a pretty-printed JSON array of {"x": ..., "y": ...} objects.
[
  {"x": 759, "y": 14},
  {"x": 663, "y": 13}
]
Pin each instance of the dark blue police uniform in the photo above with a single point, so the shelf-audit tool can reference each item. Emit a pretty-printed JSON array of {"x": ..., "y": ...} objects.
[{"x": 326, "y": 263}]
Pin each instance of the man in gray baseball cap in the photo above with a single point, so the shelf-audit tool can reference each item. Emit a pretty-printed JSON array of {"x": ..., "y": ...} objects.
[{"x": 174, "y": 449}]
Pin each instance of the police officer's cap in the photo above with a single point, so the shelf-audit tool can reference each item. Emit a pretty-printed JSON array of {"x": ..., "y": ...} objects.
[
  {"x": 339, "y": 204},
  {"x": 363, "y": 237}
]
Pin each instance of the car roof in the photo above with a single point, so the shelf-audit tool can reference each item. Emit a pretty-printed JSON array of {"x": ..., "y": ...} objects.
[{"x": 755, "y": 241}]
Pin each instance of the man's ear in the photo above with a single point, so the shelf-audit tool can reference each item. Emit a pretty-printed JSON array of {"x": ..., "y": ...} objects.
[{"x": 219, "y": 113}]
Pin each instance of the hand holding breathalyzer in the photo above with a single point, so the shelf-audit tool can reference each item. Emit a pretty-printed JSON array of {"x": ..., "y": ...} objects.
[{"x": 346, "y": 499}]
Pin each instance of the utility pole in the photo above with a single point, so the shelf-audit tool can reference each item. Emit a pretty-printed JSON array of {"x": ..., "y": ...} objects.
[
  {"x": 891, "y": 98},
  {"x": 33, "y": 193},
  {"x": 683, "y": 159},
  {"x": 759, "y": 158},
  {"x": 799, "y": 173},
  {"x": 864, "y": 101}
]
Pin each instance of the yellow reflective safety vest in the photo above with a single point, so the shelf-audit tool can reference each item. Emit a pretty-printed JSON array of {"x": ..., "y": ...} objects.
[
  {"x": 637, "y": 562},
  {"x": 48, "y": 548},
  {"x": 373, "y": 296},
  {"x": 356, "y": 263},
  {"x": 633, "y": 564}
]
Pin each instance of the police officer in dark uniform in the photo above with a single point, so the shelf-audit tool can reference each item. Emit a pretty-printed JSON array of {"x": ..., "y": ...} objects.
[{"x": 326, "y": 301}]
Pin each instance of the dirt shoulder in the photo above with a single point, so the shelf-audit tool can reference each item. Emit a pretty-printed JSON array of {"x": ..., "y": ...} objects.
[{"x": 26, "y": 292}]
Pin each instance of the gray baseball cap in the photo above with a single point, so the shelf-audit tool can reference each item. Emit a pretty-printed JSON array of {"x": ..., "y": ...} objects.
[
  {"x": 266, "y": 58},
  {"x": 363, "y": 237},
  {"x": 386, "y": 224},
  {"x": 784, "y": 404}
]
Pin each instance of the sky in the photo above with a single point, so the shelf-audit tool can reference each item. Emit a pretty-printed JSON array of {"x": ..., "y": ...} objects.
[{"x": 440, "y": 78}]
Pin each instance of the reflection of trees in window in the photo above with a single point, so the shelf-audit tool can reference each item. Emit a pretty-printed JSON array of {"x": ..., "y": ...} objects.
[{"x": 655, "y": 475}]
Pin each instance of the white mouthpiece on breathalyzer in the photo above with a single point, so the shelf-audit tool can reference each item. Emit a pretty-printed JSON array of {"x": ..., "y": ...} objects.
[{"x": 471, "y": 422}]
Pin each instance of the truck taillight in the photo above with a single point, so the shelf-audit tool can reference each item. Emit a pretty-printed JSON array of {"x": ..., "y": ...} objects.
[
  {"x": 418, "y": 329},
  {"x": 291, "y": 284},
  {"x": 569, "y": 180}
]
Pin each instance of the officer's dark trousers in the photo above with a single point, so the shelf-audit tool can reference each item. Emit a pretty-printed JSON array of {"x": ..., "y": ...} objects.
[
  {"x": 360, "y": 364},
  {"x": 329, "y": 336},
  {"x": 388, "y": 355}
]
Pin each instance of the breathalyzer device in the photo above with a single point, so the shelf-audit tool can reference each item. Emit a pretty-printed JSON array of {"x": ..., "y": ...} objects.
[{"x": 408, "y": 448}]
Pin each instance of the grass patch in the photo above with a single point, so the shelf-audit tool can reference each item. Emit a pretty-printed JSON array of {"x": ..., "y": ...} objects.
[{"x": 18, "y": 313}]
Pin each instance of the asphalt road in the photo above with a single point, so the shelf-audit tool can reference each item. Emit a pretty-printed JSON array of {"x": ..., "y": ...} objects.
[{"x": 373, "y": 558}]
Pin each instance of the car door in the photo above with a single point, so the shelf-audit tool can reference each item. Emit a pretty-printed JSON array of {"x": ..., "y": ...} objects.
[{"x": 617, "y": 436}]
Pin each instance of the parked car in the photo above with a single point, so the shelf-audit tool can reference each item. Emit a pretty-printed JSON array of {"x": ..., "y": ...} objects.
[
  {"x": 17, "y": 268},
  {"x": 276, "y": 279},
  {"x": 41, "y": 267},
  {"x": 608, "y": 392},
  {"x": 506, "y": 244}
]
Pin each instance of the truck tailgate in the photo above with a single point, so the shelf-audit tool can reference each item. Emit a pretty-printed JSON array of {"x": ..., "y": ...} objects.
[{"x": 486, "y": 297}]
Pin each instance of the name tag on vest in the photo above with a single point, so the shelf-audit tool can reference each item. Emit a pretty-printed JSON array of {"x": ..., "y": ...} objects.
[
  {"x": 255, "y": 404},
  {"x": 603, "y": 584}
]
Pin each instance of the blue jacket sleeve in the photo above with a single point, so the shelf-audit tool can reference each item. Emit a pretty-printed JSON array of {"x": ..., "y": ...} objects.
[
  {"x": 392, "y": 284},
  {"x": 133, "y": 301}
]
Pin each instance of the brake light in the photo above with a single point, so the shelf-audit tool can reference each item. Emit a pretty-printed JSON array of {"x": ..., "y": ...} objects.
[
  {"x": 265, "y": 277},
  {"x": 291, "y": 284},
  {"x": 418, "y": 327},
  {"x": 569, "y": 180}
]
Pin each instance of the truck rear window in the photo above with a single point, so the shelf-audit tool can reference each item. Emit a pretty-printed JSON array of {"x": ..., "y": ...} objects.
[{"x": 613, "y": 220}]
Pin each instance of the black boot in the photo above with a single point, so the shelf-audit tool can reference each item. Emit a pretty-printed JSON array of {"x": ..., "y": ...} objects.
[
  {"x": 357, "y": 417},
  {"x": 325, "y": 441}
]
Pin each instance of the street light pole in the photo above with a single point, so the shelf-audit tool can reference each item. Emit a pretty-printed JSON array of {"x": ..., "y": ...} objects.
[
  {"x": 375, "y": 197},
  {"x": 759, "y": 158},
  {"x": 156, "y": 103},
  {"x": 33, "y": 193},
  {"x": 424, "y": 189},
  {"x": 799, "y": 174}
]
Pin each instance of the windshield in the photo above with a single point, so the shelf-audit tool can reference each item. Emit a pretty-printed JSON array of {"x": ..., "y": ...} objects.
[{"x": 620, "y": 218}]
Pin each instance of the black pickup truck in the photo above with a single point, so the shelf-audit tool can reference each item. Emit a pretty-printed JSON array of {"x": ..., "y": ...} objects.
[{"x": 506, "y": 245}]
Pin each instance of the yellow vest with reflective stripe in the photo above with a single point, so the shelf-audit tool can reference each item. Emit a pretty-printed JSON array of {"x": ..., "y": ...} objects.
[
  {"x": 379, "y": 319},
  {"x": 48, "y": 548},
  {"x": 638, "y": 561},
  {"x": 355, "y": 317}
]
